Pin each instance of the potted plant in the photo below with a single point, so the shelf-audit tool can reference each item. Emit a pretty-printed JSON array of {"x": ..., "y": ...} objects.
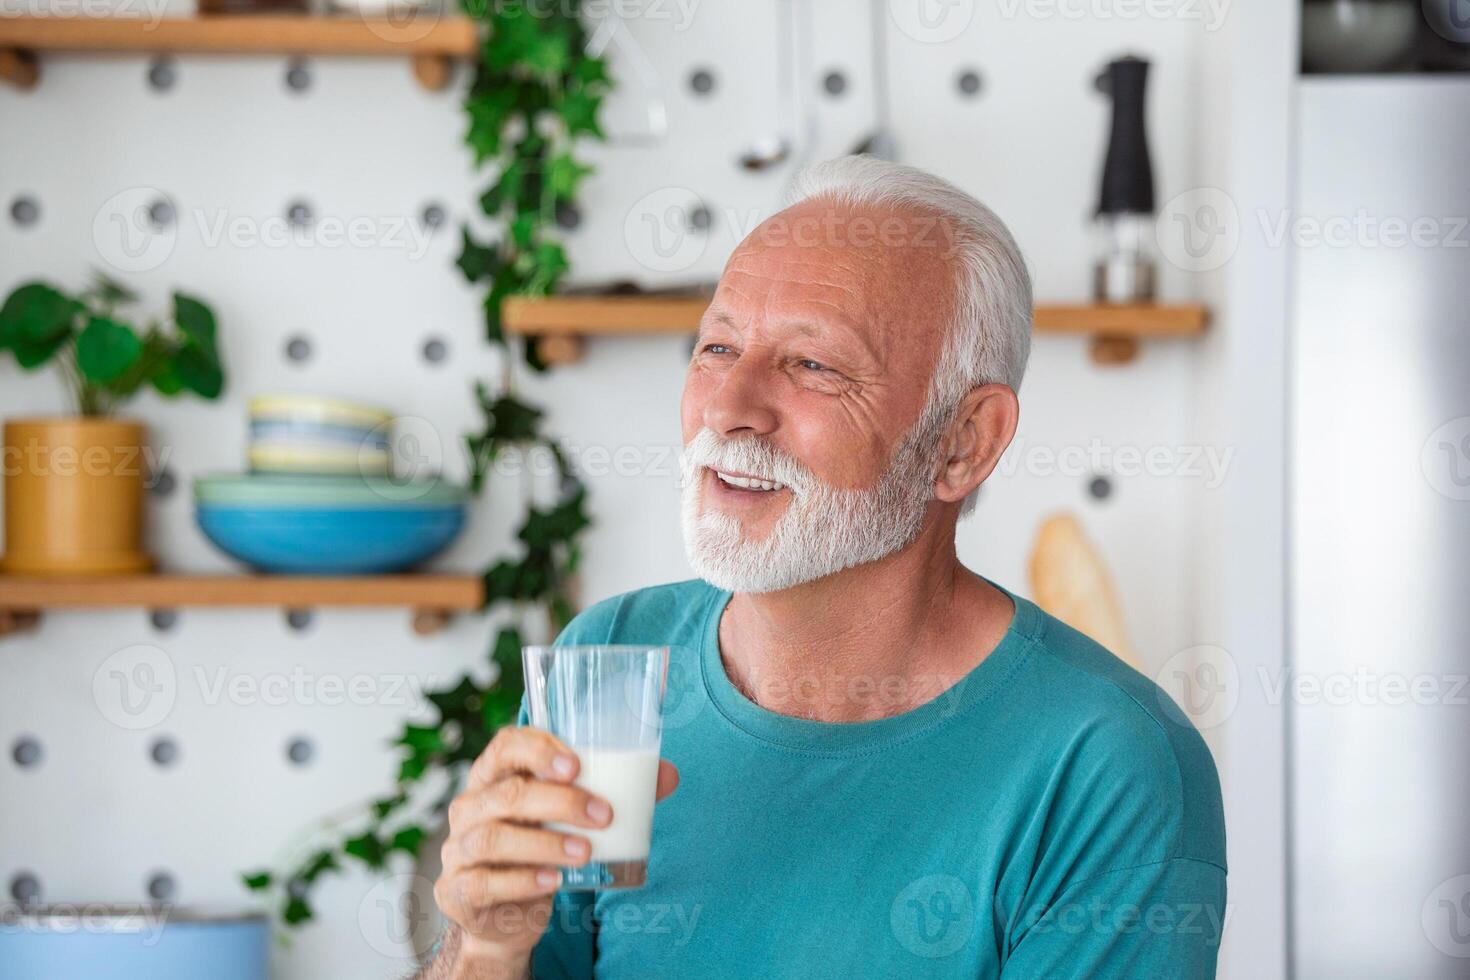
[{"x": 74, "y": 485}]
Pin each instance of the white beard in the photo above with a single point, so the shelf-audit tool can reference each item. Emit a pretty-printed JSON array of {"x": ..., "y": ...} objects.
[{"x": 823, "y": 530}]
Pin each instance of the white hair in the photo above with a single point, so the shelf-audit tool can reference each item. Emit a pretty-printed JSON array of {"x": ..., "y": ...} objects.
[{"x": 990, "y": 338}]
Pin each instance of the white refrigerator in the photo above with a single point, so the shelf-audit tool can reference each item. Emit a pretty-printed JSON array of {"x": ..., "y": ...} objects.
[{"x": 1379, "y": 634}]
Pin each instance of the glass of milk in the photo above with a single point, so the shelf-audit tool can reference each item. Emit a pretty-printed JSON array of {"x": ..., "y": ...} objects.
[{"x": 606, "y": 703}]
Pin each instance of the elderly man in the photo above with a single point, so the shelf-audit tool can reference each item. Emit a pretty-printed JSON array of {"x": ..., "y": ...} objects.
[{"x": 886, "y": 765}]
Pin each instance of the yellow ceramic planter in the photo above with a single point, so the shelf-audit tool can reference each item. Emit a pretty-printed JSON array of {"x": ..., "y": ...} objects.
[{"x": 73, "y": 496}]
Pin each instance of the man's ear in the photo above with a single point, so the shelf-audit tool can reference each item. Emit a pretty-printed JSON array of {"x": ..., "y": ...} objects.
[{"x": 979, "y": 434}]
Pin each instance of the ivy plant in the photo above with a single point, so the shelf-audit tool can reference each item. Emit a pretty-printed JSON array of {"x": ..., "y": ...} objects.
[
  {"x": 535, "y": 92},
  {"x": 105, "y": 359}
]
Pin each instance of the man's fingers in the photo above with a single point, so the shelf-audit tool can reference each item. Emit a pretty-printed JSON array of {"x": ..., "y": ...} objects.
[
  {"x": 529, "y": 800},
  {"x": 668, "y": 779},
  {"x": 497, "y": 842},
  {"x": 478, "y": 890},
  {"x": 524, "y": 749}
]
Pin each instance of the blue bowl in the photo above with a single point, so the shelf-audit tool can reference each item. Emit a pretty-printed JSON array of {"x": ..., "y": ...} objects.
[
  {"x": 330, "y": 540},
  {"x": 127, "y": 944}
]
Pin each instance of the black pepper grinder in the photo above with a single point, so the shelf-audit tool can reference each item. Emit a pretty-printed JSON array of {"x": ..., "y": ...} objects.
[{"x": 1125, "y": 270}]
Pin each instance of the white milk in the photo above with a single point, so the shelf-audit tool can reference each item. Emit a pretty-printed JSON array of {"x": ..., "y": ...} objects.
[{"x": 628, "y": 780}]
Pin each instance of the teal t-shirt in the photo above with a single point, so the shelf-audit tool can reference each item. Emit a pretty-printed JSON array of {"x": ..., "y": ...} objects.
[{"x": 1053, "y": 815}]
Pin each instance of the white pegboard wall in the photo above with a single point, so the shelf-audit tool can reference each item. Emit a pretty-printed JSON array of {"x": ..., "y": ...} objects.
[{"x": 231, "y": 142}]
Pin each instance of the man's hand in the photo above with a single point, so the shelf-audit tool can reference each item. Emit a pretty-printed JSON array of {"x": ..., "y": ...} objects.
[{"x": 500, "y": 864}]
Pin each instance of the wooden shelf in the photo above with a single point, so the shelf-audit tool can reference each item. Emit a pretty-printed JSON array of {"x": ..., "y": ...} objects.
[
  {"x": 430, "y": 45},
  {"x": 433, "y": 598},
  {"x": 564, "y": 320}
]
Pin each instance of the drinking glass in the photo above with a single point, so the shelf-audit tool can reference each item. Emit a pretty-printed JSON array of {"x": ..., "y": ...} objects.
[{"x": 606, "y": 704}]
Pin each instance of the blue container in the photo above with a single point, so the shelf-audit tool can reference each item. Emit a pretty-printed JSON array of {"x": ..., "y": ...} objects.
[
  {"x": 132, "y": 943},
  {"x": 330, "y": 540}
]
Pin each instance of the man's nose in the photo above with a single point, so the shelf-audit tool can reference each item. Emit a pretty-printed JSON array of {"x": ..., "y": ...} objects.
[{"x": 741, "y": 404}]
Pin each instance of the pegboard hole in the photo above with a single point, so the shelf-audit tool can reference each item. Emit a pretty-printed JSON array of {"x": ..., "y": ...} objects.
[
  {"x": 968, "y": 83},
  {"x": 435, "y": 350},
  {"x": 164, "y": 752},
  {"x": 701, "y": 81},
  {"x": 161, "y": 213},
  {"x": 26, "y": 752},
  {"x": 433, "y": 215},
  {"x": 162, "y": 75},
  {"x": 164, "y": 620},
  {"x": 298, "y": 349},
  {"x": 160, "y": 482},
  {"x": 567, "y": 216},
  {"x": 700, "y": 218},
  {"x": 298, "y": 76},
  {"x": 25, "y": 211},
  {"x": 162, "y": 887},
  {"x": 834, "y": 83},
  {"x": 300, "y": 751},
  {"x": 299, "y": 214},
  {"x": 299, "y": 619},
  {"x": 25, "y": 888},
  {"x": 1100, "y": 487}
]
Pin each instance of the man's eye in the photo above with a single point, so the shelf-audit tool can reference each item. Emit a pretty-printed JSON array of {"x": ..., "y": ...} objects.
[
  {"x": 810, "y": 364},
  {"x": 716, "y": 349}
]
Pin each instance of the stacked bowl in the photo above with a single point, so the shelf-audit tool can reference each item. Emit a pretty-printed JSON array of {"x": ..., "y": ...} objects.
[
  {"x": 321, "y": 498},
  {"x": 309, "y": 434}
]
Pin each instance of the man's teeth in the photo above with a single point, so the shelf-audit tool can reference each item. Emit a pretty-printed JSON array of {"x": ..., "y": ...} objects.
[{"x": 749, "y": 482}]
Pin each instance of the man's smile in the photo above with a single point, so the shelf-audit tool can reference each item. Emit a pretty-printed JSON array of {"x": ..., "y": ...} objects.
[
  {"x": 728, "y": 488},
  {"x": 746, "y": 481}
]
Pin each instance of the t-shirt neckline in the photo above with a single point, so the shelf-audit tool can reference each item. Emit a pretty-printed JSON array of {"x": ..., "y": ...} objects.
[{"x": 862, "y": 737}]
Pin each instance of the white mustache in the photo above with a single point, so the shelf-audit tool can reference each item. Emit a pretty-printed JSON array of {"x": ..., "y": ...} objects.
[{"x": 751, "y": 455}]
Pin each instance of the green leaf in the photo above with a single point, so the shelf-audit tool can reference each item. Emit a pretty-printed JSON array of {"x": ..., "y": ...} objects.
[
  {"x": 167, "y": 380},
  {"x": 421, "y": 738},
  {"x": 488, "y": 113},
  {"x": 109, "y": 292},
  {"x": 476, "y": 261},
  {"x": 368, "y": 849},
  {"x": 578, "y": 111},
  {"x": 505, "y": 190},
  {"x": 523, "y": 229},
  {"x": 36, "y": 320},
  {"x": 514, "y": 32},
  {"x": 199, "y": 373},
  {"x": 31, "y": 355},
  {"x": 297, "y": 911},
  {"x": 551, "y": 265},
  {"x": 106, "y": 349},
  {"x": 563, "y": 175},
  {"x": 411, "y": 769},
  {"x": 548, "y": 53},
  {"x": 408, "y": 840},
  {"x": 382, "y": 808},
  {"x": 591, "y": 72},
  {"x": 320, "y": 864},
  {"x": 197, "y": 323},
  {"x": 258, "y": 881}
]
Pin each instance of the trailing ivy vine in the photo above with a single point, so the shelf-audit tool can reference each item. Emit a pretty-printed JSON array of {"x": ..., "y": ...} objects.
[{"x": 535, "y": 92}]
